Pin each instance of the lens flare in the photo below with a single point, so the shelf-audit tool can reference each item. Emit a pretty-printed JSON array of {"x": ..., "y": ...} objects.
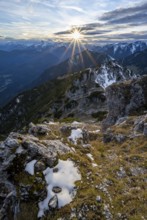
[{"x": 76, "y": 35}]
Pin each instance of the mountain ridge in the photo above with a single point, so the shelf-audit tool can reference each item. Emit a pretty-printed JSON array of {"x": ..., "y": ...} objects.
[{"x": 57, "y": 98}]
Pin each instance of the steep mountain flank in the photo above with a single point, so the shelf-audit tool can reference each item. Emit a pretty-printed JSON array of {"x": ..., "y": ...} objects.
[
  {"x": 80, "y": 95},
  {"x": 71, "y": 96},
  {"x": 137, "y": 62}
]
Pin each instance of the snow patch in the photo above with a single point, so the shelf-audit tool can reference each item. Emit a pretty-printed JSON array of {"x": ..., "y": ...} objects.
[
  {"x": 52, "y": 123},
  {"x": 19, "y": 150},
  {"x": 94, "y": 164},
  {"x": 75, "y": 135},
  {"x": 30, "y": 167},
  {"x": 133, "y": 49},
  {"x": 106, "y": 77},
  {"x": 76, "y": 123},
  {"x": 110, "y": 73},
  {"x": 17, "y": 100},
  {"x": 65, "y": 178},
  {"x": 95, "y": 132}
]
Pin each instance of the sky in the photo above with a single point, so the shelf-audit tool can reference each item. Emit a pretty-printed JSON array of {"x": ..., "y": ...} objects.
[{"x": 97, "y": 20}]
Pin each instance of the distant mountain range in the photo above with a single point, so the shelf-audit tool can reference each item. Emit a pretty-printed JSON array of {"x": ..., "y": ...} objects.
[
  {"x": 25, "y": 64},
  {"x": 122, "y": 50}
]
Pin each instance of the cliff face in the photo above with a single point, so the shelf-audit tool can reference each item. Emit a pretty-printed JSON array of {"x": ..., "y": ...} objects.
[{"x": 126, "y": 98}]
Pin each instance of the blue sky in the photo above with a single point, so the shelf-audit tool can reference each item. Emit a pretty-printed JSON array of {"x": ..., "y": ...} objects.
[{"x": 102, "y": 20}]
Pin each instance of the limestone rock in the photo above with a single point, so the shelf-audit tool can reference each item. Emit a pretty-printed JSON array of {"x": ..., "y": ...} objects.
[
  {"x": 11, "y": 142},
  {"x": 39, "y": 166},
  {"x": 66, "y": 130},
  {"x": 53, "y": 203},
  {"x": 40, "y": 129},
  {"x": 126, "y": 98},
  {"x": 56, "y": 189}
]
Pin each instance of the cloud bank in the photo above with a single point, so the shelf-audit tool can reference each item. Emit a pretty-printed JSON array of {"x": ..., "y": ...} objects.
[{"x": 98, "y": 20}]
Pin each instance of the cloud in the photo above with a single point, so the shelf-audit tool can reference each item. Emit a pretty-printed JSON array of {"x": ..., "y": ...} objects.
[
  {"x": 63, "y": 32},
  {"x": 136, "y": 14},
  {"x": 84, "y": 32},
  {"x": 97, "y": 20},
  {"x": 122, "y": 12},
  {"x": 131, "y": 19},
  {"x": 70, "y": 7},
  {"x": 129, "y": 36},
  {"x": 115, "y": 25},
  {"x": 97, "y": 32}
]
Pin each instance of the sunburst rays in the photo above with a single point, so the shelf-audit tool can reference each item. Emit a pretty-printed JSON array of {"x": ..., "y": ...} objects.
[{"x": 77, "y": 44}]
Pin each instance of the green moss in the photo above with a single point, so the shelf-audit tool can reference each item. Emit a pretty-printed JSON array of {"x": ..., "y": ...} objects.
[
  {"x": 69, "y": 120},
  {"x": 27, "y": 211},
  {"x": 17, "y": 166}
]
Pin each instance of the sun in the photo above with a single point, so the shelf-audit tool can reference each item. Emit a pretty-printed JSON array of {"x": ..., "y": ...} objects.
[{"x": 76, "y": 35}]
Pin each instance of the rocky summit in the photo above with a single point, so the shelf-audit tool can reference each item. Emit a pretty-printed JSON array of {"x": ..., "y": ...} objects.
[{"x": 62, "y": 170}]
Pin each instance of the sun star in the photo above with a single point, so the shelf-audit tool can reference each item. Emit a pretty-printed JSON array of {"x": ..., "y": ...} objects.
[{"x": 76, "y": 35}]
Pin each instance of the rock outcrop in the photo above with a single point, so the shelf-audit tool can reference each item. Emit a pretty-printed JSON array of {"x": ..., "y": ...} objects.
[
  {"x": 126, "y": 98},
  {"x": 23, "y": 158}
]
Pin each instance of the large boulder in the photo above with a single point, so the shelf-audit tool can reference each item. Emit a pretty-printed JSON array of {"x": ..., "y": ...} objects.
[{"x": 40, "y": 129}]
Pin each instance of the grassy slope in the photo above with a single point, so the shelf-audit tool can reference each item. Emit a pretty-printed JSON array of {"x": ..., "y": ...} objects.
[{"x": 126, "y": 194}]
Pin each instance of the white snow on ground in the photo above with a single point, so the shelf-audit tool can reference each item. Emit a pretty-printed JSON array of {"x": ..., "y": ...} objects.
[
  {"x": 94, "y": 164},
  {"x": 53, "y": 123},
  {"x": 75, "y": 135},
  {"x": 95, "y": 132},
  {"x": 19, "y": 150},
  {"x": 17, "y": 100},
  {"x": 30, "y": 167},
  {"x": 106, "y": 77},
  {"x": 90, "y": 156},
  {"x": 65, "y": 178},
  {"x": 76, "y": 123},
  {"x": 92, "y": 159}
]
